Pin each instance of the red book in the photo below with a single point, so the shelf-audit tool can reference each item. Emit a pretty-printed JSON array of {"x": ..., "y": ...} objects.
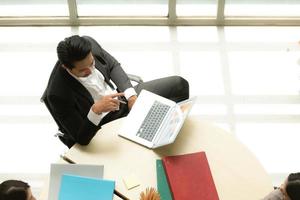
[{"x": 189, "y": 177}]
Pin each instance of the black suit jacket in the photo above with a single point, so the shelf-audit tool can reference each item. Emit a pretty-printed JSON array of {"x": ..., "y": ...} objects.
[{"x": 69, "y": 101}]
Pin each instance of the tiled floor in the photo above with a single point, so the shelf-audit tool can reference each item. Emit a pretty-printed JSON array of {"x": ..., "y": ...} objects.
[{"x": 247, "y": 80}]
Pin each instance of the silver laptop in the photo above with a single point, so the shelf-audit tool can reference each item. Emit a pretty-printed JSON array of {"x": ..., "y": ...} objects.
[
  {"x": 155, "y": 121},
  {"x": 57, "y": 170}
]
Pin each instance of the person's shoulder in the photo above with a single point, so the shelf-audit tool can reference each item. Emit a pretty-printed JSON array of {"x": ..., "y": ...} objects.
[
  {"x": 58, "y": 84},
  {"x": 274, "y": 195}
]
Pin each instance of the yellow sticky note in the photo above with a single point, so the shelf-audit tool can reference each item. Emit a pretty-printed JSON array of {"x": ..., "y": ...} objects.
[{"x": 131, "y": 181}]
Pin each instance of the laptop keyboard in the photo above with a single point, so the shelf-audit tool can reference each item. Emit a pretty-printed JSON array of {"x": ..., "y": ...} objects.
[{"x": 152, "y": 121}]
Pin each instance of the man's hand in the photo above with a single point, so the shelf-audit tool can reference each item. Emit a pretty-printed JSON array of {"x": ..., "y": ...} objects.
[
  {"x": 131, "y": 101},
  {"x": 107, "y": 103}
]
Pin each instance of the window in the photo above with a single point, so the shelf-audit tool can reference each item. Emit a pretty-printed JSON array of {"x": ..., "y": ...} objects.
[
  {"x": 33, "y": 8},
  {"x": 196, "y": 8},
  {"x": 122, "y": 8},
  {"x": 262, "y": 8}
]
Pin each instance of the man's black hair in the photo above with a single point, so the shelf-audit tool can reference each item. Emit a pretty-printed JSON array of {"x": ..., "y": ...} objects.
[
  {"x": 293, "y": 186},
  {"x": 13, "y": 190},
  {"x": 71, "y": 49}
]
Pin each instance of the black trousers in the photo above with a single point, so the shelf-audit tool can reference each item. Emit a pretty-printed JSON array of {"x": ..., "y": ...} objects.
[{"x": 174, "y": 88}]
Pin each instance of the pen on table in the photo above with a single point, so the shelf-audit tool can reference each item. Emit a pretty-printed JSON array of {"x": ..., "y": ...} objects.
[
  {"x": 116, "y": 192},
  {"x": 121, "y": 101},
  {"x": 65, "y": 158}
]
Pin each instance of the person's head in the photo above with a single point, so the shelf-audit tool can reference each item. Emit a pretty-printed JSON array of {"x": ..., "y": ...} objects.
[
  {"x": 15, "y": 190},
  {"x": 292, "y": 187},
  {"x": 75, "y": 55}
]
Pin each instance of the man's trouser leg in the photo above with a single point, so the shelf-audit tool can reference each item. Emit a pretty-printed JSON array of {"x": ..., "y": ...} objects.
[{"x": 174, "y": 88}]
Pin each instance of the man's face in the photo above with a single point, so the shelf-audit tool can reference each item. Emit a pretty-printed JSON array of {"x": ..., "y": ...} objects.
[
  {"x": 29, "y": 195},
  {"x": 282, "y": 189},
  {"x": 83, "y": 68}
]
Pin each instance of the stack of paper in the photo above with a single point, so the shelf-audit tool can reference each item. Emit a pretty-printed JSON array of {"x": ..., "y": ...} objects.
[{"x": 57, "y": 170}]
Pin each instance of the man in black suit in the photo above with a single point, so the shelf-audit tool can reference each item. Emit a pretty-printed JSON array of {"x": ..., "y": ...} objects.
[{"x": 80, "y": 94}]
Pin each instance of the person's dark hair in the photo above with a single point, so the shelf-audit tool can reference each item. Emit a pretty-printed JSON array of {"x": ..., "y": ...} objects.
[
  {"x": 73, "y": 49},
  {"x": 293, "y": 186},
  {"x": 13, "y": 190}
]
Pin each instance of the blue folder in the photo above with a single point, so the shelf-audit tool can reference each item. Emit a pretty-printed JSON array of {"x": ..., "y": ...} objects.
[{"x": 84, "y": 188}]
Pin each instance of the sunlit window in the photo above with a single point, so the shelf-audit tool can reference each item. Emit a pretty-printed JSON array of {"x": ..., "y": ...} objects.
[
  {"x": 34, "y": 8},
  {"x": 122, "y": 8},
  {"x": 205, "y": 71},
  {"x": 264, "y": 72},
  {"x": 262, "y": 8},
  {"x": 196, "y": 8}
]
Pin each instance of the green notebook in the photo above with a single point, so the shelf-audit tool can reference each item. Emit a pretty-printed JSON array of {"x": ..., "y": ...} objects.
[{"x": 162, "y": 183}]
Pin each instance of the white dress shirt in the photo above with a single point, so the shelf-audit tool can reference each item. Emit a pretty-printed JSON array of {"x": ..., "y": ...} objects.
[{"x": 98, "y": 88}]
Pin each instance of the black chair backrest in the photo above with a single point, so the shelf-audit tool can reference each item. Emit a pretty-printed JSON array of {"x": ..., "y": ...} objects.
[
  {"x": 69, "y": 142},
  {"x": 45, "y": 101}
]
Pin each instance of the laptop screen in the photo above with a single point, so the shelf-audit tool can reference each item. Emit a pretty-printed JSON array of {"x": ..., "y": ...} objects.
[
  {"x": 176, "y": 121},
  {"x": 187, "y": 105}
]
